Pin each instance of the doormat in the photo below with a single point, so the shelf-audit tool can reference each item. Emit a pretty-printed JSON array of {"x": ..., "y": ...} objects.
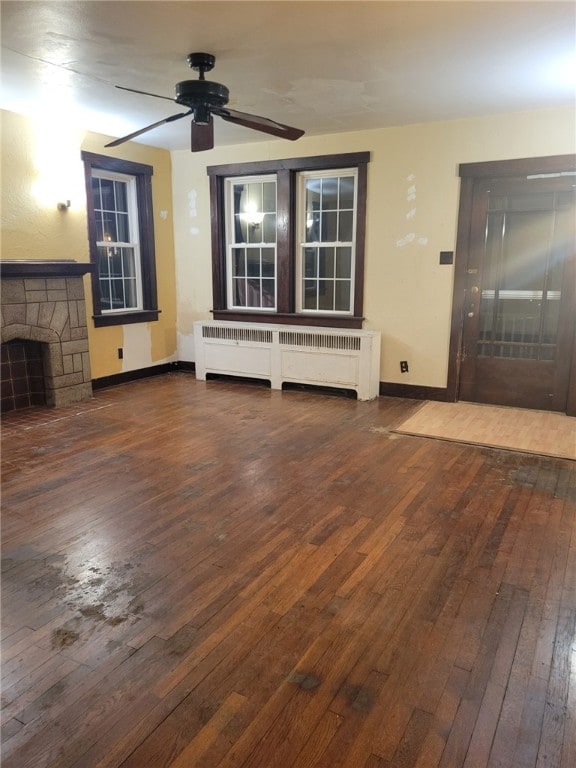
[{"x": 515, "y": 429}]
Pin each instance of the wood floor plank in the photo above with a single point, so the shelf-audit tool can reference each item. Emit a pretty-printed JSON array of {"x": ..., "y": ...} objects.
[{"x": 221, "y": 575}]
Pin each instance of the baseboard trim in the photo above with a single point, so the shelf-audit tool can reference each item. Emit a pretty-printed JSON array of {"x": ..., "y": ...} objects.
[
  {"x": 414, "y": 392},
  {"x": 140, "y": 373},
  {"x": 387, "y": 389}
]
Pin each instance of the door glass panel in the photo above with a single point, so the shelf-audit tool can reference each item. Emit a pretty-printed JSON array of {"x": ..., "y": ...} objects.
[{"x": 521, "y": 282}]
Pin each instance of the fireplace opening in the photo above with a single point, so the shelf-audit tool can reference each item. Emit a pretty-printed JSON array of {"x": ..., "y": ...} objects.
[{"x": 22, "y": 375}]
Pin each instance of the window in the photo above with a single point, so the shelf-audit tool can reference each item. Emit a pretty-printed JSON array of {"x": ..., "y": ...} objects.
[
  {"x": 251, "y": 239},
  {"x": 121, "y": 235},
  {"x": 327, "y": 208},
  {"x": 288, "y": 240}
]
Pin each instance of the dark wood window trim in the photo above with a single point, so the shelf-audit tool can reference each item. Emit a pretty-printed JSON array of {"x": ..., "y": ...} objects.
[
  {"x": 286, "y": 175},
  {"x": 143, "y": 176}
]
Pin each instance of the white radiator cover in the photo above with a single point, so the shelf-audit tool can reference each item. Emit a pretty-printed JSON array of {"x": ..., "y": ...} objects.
[{"x": 330, "y": 357}]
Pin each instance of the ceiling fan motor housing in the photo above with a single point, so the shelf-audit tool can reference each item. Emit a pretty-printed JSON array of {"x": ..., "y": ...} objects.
[{"x": 193, "y": 93}]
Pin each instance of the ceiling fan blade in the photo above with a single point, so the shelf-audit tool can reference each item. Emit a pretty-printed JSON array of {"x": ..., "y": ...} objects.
[
  {"x": 202, "y": 137},
  {"x": 144, "y": 93},
  {"x": 258, "y": 123},
  {"x": 170, "y": 119}
]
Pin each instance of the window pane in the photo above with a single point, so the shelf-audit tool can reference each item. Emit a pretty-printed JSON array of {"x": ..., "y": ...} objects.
[
  {"x": 253, "y": 293},
  {"x": 254, "y": 212},
  {"x": 238, "y": 261},
  {"x": 268, "y": 298},
  {"x": 342, "y": 297},
  {"x": 240, "y": 230},
  {"x": 329, "y": 194},
  {"x": 313, "y": 187},
  {"x": 343, "y": 262},
  {"x": 252, "y": 198},
  {"x": 329, "y": 223},
  {"x": 326, "y": 294},
  {"x": 99, "y": 227},
  {"x": 239, "y": 292},
  {"x": 326, "y": 262},
  {"x": 128, "y": 263},
  {"x": 105, "y": 294},
  {"x": 254, "y": 233},
  {"x": 268, "y": 262},
  {"x": 117, "y": 294},
  {"x": 310, "y": 300},
  {"x": 347, "y": 192},
  {"x": 106, "y": 194},
  {"x": 123, "y": 227},
  {"x": 310, "y": 262},
  {"x": 269, "y": 228},
  {"x": 121, "y": 199},
  {"x": 130, "y": 294},
  {"x": 103, "y": 266},
  {"x": 115, "y": 262},
  {"x": 269, "y": 197},
  {"x": 345, "y": 225},
  {"x": 253, "y": 262},
  {"x": 96, "y": 194},
  {"x": 110, "y": 234},
  {"x": 312, "y": 227}
]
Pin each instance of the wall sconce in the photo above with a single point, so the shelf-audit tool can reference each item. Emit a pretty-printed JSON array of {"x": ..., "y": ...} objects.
[
  {"x": 63, "y": 205},
  {"x": 253, "y": 218},
  {"x": 251, "y": 215}
]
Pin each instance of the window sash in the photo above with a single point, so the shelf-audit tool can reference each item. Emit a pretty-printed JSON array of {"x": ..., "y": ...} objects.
[
  {"x": 119, "y": 260},
  {"x": 326, "y": 267},
  {"x": 251, "y": 261}
]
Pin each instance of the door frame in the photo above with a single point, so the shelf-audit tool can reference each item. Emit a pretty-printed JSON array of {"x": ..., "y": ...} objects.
[{"x": 469, "y": 173}]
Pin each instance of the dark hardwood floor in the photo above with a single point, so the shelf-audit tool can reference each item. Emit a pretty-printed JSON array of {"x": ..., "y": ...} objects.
[{"x": 216, "y": 574}]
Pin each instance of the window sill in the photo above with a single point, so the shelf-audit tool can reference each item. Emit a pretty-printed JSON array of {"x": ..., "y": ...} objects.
[
  {"x": 124, "y": 318},
  {"x": 287, "y": 318}
]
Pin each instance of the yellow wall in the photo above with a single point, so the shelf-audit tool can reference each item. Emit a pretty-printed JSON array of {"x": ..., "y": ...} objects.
[
  {"x": 40, "y": 166},
  {"x": 408, "y": 295}
]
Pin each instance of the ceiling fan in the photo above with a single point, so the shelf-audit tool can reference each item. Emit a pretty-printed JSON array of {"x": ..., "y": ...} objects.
[{"x": 204, "y": 99}]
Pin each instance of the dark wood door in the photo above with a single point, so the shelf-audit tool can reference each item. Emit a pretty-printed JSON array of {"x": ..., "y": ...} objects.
[{"x": 520, "y": 298}]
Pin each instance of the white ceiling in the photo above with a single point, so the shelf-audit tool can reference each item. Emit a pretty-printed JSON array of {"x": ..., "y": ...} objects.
[{"x": 325, "y": 66}]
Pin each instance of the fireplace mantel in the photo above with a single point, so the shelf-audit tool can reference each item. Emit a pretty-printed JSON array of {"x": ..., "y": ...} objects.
[{"x": 32, "y": 268}]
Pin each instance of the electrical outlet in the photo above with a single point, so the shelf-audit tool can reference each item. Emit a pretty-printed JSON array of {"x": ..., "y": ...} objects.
[
  {"x": 120, "y": 353},
  {"x": 403, "y": 366}
]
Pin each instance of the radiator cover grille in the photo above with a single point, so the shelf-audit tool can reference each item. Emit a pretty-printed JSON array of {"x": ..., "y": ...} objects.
[
  {"x": 239, "y": 333},
  {"x": 313, "y": 340},
  {"x": 331, "y": 357}
]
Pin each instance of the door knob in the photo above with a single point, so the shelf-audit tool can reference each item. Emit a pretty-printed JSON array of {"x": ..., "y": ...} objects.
[{"x": 470, "y": 314}]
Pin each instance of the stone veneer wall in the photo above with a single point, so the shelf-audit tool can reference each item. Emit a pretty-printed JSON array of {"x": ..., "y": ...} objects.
[{"x": 51, "y": 310}]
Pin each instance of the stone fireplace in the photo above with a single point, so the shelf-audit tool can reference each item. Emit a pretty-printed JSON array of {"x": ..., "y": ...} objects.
[{"x": 44, "y": 308}]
